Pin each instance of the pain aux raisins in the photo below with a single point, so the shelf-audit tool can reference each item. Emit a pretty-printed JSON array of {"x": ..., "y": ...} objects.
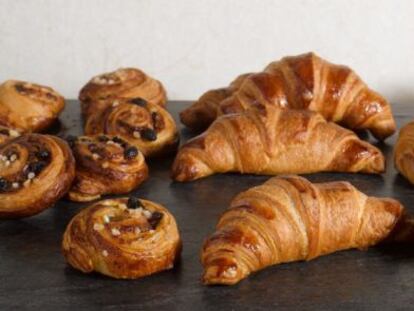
[{"x": 139, "y": 102}]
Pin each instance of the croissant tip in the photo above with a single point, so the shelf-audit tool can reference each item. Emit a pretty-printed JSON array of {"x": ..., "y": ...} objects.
[{"x": 217, "y": 275}]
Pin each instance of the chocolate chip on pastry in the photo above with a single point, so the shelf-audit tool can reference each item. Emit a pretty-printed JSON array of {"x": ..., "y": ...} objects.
[
  {"x": 105, "y": 165},
  {"x": 35, "y": 171},
  {"x": 7, "y": 134},
  {"x": 122, "y": 238},
  {"x": 291, "y": 219},
  {"x": 28, "y": 107},
  {"x": 275, "y": 141},
  {"x": 122, "y": 83},
  {"x": 145, "y": 125},
  {"x": 404, "y": 152},
  {"x": 303, "y": 81}
]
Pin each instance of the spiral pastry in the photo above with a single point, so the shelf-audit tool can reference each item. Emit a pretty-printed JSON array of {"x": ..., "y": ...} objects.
[
  {"x": 35, "y": 171},
  {"x": 7, "y": 134},
  {"x": 144, "y": 124},
  {"x": 105, "y": 165},
  {"x": 123, "y": 83},
  {"x": 122, "y": 238},
  {"x": 28, "y": 107}
]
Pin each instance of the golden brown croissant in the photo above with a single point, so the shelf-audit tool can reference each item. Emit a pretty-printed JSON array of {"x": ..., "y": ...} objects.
[
  {"x": 289, "y": 219},
  {"x": 123, "y": 83},
  {"x": 275, "y": 141},
  {"x": 7, "y": 134},
  {"x": 204, "y": 111},
  {"x": 28, "y": 107},
  {"x": 35, "y": 171},
  {"x": 308, "y": 81},
  {"x": 404, "y": 152},
  {"x": 144, "y": 124},
  {"x": 105, "y": 165},
  {"x": 122, "y": 238}
]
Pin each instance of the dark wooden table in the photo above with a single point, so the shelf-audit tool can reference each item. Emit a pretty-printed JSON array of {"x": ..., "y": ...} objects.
[{"x": 34, "y": 275}]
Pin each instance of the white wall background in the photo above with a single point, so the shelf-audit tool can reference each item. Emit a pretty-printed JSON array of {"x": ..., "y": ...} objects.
[{"x": 194, "y": 45}]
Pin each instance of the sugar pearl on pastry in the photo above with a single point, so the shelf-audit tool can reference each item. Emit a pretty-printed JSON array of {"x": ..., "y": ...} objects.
[
  {"x": 15, "y": 185},
  {"x": 7, "y": 163},
  {"x": 115, "y": 232},
  {"x": 31, "y": 175},
  {"x": 136, "y": 134},
  {"x": 115, "y": 103},
  {"x": 147, "y": 213},
  {"x": 105, "y": 253},
  {"x": 13, "y": 158},
  {"x": 106, "y": 219},
  {"x": 98, "y": 227},
  {"x": 95, "y": 156},
  {"x": 14, "y": 133}
]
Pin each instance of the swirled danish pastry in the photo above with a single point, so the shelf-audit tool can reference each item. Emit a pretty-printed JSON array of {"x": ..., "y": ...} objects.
[
  {"x": 105, "y": 165},
  {"x": 122, "y": 238},
  {"x": 28, "y": 107},
  {"x": 146, "y": 125},
  {"x": 35, "y": 171},
  {"x": 124, "y": 83}
]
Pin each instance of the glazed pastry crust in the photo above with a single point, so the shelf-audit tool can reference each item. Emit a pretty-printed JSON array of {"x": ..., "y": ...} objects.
[
  {"x": 204, "y": 111},
  {"x": 31, "y": 181},
  {"x": 404, "y": 152},
  {"x": 28, "y": 107},
  {"x": 270, "y": 141},
  {"x": 145, "y": 125},
  {"x": 290, "y": 219},
  {"x": 115, "y": 248},
  {"x": 123, "y": 83},
  {"x": 105, "y": 165},
  {"x": 308, "y": 82}
]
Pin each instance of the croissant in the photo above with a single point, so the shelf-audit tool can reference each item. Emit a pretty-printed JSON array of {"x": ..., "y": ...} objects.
[
  {"x": 35, "y": 171},
  {"x": 290, "y": 219},
  {"x": 122, "y": 238},
  {"x": 28, "y": 107},
  {"x": 404, "y": 152},
  {"x": 204, "y": 111},
  {"x": 123, "y": 83},
  {"x": 308, "y": 81},
  {"x": 146, "y": 125},
  {"x": 275, "y": 141},
  {"x": 7, "y": 134},
  {"x": 105, "y": 165}
]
